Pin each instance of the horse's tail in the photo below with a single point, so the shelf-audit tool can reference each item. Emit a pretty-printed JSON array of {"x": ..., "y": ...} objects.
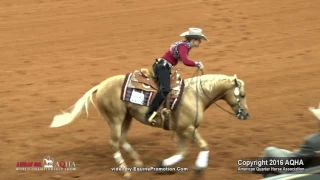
[{"x": 83, "y": 103}]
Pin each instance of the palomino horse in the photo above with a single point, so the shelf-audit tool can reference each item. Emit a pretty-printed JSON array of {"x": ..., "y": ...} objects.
[{"x": 199, "y": 93}]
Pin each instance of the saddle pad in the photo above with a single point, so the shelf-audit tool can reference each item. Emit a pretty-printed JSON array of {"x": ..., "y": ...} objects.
[
  {"x": 138, "y": 96},
  {"x": 144, "y": 98},
  {"x": 134, "y": 95}
]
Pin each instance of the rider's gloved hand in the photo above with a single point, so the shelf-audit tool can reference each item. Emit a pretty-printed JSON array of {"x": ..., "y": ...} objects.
[{"x": 199, "y": 65}]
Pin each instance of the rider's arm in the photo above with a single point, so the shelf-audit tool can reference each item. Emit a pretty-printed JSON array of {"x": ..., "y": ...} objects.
[{"x": 183, "y": 52}]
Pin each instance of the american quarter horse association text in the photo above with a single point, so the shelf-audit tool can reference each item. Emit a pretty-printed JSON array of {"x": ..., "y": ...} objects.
[{"x": 200, "y": 92}]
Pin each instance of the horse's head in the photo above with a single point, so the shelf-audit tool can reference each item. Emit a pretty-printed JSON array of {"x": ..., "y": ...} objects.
[{"x": 236, "y": 98}]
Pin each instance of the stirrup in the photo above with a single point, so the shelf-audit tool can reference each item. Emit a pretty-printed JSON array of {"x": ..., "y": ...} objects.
[
  {"x": 165, "y": 113},
  {"x": 150, "y": 120}
]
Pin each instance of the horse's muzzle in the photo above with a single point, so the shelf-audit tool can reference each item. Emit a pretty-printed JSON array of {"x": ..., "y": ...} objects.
[{"x": 242, "y": 115}]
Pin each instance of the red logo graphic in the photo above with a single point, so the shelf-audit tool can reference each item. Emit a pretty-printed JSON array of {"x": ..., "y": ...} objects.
[{"x": 29, "y": 164}]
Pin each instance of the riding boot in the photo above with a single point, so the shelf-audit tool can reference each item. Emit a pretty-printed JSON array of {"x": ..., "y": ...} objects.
[
  {"x": 154, "y": 106},
  {"x": 162, "y": 74}
]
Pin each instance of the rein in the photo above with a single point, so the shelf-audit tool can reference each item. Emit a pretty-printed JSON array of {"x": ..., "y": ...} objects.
[
  {"x": 213, "y": 101},
  {"x": 196, "y": 125},
  {"x": 224, "y": 109}
]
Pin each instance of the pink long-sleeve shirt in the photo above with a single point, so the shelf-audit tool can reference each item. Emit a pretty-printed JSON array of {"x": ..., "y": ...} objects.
[{"x": 179, "y": 51}]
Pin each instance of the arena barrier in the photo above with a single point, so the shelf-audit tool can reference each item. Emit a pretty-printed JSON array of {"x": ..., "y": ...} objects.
[{"x": 312, "y": 173}]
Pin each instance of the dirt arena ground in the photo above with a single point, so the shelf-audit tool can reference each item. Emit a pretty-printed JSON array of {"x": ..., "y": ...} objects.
[{"x": 51, "y": 52}]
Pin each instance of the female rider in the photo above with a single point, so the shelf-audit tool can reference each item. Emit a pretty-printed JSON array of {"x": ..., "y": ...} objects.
[{"x": 162, "y": 67}]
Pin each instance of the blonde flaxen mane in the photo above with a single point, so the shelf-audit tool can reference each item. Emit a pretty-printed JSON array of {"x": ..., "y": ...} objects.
[{"x": 209, "y": 81}]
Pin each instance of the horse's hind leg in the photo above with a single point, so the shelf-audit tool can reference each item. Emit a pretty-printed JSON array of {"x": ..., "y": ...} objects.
[
  {"x": 115, "y": 126},
  {"x": 126, "y": 145}
]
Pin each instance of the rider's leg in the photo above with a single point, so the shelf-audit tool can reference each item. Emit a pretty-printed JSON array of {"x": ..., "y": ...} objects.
[{"x": 162, "y": 74}]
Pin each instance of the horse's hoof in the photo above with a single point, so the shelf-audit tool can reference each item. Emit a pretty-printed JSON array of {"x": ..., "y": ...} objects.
[
  {"x": 138, "y": 163},
  {"x": 127, "y": 176},
  {"x": 198, "y": 171},
  {"x": 160, "y": 164}
]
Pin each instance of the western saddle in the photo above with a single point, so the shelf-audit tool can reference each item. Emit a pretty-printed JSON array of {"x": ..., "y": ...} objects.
[{"x": 144, "y": 79}]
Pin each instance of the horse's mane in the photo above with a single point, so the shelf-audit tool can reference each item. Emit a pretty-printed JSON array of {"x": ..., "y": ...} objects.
[{"x": 208, "y": 81}]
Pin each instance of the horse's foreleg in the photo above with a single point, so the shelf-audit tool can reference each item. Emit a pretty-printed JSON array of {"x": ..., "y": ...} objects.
[
  {"x": 126, "y": 145},
  {"x": 182, "y": 137},
  {"x": 203, "y": 156},
  {"x": 180, "y": 155}
]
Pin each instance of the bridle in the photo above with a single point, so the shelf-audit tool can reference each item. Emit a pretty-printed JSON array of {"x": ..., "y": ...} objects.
[
  {"x": 238, "y": 114},
  {"x": 236, "y": 93}
]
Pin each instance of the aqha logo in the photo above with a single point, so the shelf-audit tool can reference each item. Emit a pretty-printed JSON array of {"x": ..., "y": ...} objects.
[
  {"x": 48, "y": 162},
  {"x": 66, "y": 165}
]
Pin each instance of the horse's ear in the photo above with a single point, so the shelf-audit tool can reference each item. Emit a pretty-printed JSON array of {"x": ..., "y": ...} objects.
[
  {"x": 235, "y": 79},
  {"x": 235, "y": 76}
]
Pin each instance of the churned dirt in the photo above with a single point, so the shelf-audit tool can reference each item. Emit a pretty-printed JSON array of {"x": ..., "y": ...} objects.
[{"x": 52, "y": 52}]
